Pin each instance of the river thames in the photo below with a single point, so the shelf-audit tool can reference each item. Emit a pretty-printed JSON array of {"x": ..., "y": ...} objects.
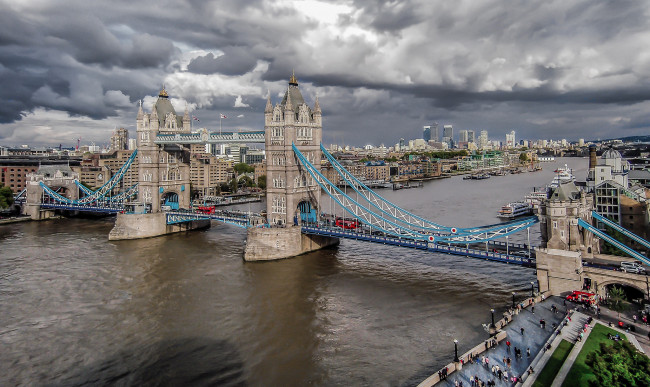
[{"x": 185, "y": 309}]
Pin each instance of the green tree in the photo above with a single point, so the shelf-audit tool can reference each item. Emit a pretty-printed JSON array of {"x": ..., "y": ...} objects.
[
  {"x": 616, "y": 300},
  {"x": 224, "y": 187},
  {"x": 243, "y": 168},
  {"x": 6, "y": 197},
  {"x": 233, "y": 185},
  {"x": 618, "y": 364},
  {"x": 245, "y": 181},
  {"x": 523, "y": 157},
  {"x": 261, "y": 181}
]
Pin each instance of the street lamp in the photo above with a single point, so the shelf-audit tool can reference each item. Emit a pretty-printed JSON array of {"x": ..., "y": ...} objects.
[
  {"x": 455, "y": 351},
  {"x": 492, "y": 326},
  {"x": 532, "y": 289},
  {"x": 513, "y": 300}
]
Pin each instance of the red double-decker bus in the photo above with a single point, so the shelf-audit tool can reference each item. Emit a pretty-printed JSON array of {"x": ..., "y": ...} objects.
[
  {"x": 347, "y": 223},
  {"x": 206, "y": 209}
]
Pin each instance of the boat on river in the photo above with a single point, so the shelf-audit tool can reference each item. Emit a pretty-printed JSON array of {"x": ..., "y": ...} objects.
[{"x": 515, "y": 209}]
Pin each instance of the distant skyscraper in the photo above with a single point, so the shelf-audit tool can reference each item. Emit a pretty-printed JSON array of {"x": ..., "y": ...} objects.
[
  {"x": 470, "y": 136},
  {"x": 483, "y": 139},
  {"x": 120, "y": 139},
  {"x": 510, "y": 140},
  {"x": 435, "y": 134},
  {"x": 448, "y": 135},
  {"x": 401, "y": 143},
  {"x": 426, "y": 133},
  {"x": 463, "y": 136}
]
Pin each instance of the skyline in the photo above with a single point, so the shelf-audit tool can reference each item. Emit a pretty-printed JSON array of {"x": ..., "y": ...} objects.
[{"x": 381, "y": 71}]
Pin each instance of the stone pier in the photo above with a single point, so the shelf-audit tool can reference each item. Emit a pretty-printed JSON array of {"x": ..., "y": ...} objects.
[
  {"x": 137, "y": 226},
  {"x": 265, "y": 244}
]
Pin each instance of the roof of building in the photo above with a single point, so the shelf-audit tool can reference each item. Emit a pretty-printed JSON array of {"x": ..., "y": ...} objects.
[
  {"x": 566, "y": 191},
  {"x": 50, "y": 170},
  {"x": 163, "y": 107},
  {"x": 294, "y": 92},
  {"x": 612, "y": 153},
  {"x": 638, "y": 174}
]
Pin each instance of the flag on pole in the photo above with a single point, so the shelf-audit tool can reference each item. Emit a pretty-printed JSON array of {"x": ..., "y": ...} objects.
[
  {"x": 223, "y": 116},
  {"x": 196, "y": 119}
]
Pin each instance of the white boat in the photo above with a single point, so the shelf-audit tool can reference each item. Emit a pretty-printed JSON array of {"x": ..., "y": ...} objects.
[
  {"x": 536, "y": 197},
  {"x": 515, "y": 209},
  {"x": 562, "y": 175}
]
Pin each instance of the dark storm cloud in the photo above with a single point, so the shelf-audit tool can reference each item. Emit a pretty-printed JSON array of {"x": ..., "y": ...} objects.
[
  {"x": 234, "y": 61},
  {"x": 374, "y": 62}
]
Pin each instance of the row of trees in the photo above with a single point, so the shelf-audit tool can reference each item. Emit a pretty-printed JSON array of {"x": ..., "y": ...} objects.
[{"x": 6, "y": 197}]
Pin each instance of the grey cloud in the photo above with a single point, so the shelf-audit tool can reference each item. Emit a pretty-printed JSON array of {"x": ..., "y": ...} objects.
[{"x": 234, "y": 61}]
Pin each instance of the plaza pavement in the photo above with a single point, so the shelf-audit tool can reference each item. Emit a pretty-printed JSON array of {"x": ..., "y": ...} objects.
[{"x": 534, "y": 337}]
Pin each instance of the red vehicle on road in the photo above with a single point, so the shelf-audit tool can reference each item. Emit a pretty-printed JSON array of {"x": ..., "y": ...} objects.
[
  {"x": 206, "y": 209},
  {"x": 347, "y": 223},
  {"x": 582, "y": 297}
]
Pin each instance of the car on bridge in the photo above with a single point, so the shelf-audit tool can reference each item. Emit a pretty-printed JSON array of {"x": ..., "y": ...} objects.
[{"x": 632, "y": 267}]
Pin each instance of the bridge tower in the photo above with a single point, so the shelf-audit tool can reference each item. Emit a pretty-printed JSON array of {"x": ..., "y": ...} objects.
[
  {"x": 163, "y": 171},
  {"x": 291, "y": 192},
  {"x": 564, "y": 244}
]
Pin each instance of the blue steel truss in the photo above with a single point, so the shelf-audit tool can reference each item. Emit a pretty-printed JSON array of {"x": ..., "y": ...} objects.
[
  {"x": 601, "y": 234},
  {"x": 95, "y": 196},
  {"x": 389, "y": 226},
  {"x": 239, "y": 220},
  {"x": 620, "y": 229},
  {"x": 399, "y": 214}
]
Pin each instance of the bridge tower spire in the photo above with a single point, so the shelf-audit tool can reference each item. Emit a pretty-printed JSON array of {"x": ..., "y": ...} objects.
[{"x": 289, "y": 186}]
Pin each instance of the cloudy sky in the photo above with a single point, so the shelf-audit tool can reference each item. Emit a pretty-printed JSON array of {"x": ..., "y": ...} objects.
[{"x": 382, "y": 69}]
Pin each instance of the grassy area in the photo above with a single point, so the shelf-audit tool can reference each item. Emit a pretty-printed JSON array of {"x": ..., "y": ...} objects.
[
  {"x": 580, "y": 373},
  {"x": 552, "y": 367}
]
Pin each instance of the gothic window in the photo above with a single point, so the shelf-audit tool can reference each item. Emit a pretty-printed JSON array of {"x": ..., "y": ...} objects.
[
  {"x": 171, "y": 158},
  {"x": 303, "y": 114},
  {"x": 170, "y": 121},
  {"x": 146, "y": 195},
  {"x": 144, "y": 136},
  {"x": 277, "y": 114},
  {"x": 277, "y": 132},
  {"x": 279, "y": 205},
  {"x": 162, "y": 158}
]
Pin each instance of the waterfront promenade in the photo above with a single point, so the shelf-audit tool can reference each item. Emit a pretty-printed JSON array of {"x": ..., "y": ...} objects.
[{"x": 533, "y": 338}]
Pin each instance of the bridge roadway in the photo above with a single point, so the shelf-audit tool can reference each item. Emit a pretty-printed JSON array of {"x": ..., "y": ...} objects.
[{"x": 365, "y": 235}]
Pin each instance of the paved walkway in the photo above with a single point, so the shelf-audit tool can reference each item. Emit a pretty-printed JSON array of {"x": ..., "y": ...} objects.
[
  {"x": 578, "y": 321},
  {"x": 534, "y": 338}
]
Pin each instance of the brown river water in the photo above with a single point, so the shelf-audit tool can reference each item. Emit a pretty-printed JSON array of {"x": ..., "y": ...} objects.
[{"x": 185, "y": 309}]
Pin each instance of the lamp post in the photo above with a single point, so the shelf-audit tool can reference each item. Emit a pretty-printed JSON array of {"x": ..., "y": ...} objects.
[
  {"x": 456, "y": 351},
  {"x": 532, "y": 289},
  {"x": 492, "y": 326},
  {"x": 513, "y": 300}
]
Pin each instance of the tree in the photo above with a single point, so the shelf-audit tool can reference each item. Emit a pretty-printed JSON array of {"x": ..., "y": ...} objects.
[
  {"x": 6, "y": 197},
  {"x": 233, "y": 185},
  {"x": 616, "y": 300},
  {"x": 243, "y": 168},
  {"x": 618, "y": 364},
  {"x": 261, "y": 181},
  {"x": 523, "y": 157},
  {"x": 245, "y": 181}
]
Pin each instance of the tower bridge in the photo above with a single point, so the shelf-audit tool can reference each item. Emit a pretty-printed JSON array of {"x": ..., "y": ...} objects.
[{"x": 295, "y": 223}]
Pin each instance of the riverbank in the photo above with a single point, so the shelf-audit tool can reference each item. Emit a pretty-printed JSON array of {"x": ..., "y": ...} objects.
[
  {"x": 15, "y": 219},
  {"x": 533, "y": 338}
]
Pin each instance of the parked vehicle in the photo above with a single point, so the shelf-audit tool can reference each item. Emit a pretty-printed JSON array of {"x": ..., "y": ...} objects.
[
  {"x": 582, "y": 297},
  {"x": 632, "y": 267}
]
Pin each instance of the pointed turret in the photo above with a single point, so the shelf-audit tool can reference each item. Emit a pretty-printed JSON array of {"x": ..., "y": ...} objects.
[
  {"x": 186, "y": 120},
  {"x": 317, "y": 107},
  {"x": 269, "y": 107},
  {"x": 289, "y": 105},
  {"x": 153, "y": 118},
  {"x": 140, "y": 112}
]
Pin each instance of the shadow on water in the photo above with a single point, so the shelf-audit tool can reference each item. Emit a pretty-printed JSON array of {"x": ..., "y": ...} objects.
[{"x": 179, "y": 362}]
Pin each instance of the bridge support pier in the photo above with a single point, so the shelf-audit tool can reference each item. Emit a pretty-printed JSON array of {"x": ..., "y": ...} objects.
[
  {"x": 265, "y": 244},
  {"x": 559, "y": 271},
  {"x": 138, "y": 226}
]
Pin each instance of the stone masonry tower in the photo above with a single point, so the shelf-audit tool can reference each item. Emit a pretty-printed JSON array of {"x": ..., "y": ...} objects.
[
  {"x": 564, "y": 244},
  {"x": 290, "y": 188},
  {"x": 164, "y": 173}
]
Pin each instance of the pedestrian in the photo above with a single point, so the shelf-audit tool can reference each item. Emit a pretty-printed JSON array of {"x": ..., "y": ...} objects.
[
  {"x": 456, "y": 382},
  {"x": 528, "y": 349},
  {"x": 522, "y": 331},
  {"x": 634, "y": 318},
  {"x": 508, "y": 346},
  {"x": 494, "y": 370},
  {"x": 533, "y": 309},
  {"x": 564, "y": 302},
  {"x": 486, "y": 345},
  {"x": 499, "y": 374},
  {"x": 483, "y": 360},
  {"x": 505, "y": 375}
]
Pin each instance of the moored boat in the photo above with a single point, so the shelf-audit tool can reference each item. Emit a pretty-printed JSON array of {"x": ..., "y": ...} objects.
[{"x": 515, "y": 209}]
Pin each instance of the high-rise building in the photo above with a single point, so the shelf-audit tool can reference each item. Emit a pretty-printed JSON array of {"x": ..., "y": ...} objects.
[
  {"x": 435, "y": 134},
  {"x": 463, "y": 136},
  {"x": 510, "y": 140},
  {"x": 448, "y": 135},
  {"x": 120, "y": 139},
  {"x": 426, "y": 133},
  {"x": 483, "y": 139},
  {"x": 470, "y": 136}
]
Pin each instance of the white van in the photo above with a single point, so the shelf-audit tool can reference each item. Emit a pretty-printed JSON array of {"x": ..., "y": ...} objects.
[{"x": 632, "y": 267}]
